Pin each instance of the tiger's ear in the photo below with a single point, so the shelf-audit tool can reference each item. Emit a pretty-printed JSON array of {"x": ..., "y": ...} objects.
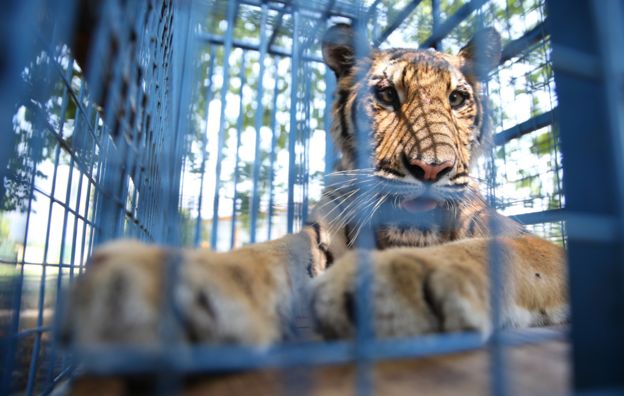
[
  {"x": 481, "y": 54},
  {"x": 338, "y": 48}
]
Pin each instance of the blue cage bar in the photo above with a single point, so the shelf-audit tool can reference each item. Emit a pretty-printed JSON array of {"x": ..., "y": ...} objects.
[{"x": 587, "y": 66}]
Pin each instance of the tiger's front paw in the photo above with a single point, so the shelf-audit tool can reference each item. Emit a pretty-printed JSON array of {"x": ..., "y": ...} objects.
[
  {"x": 410, "y": 296},
  {"x": 131, "y": 294},
  {"x": 119, "y": 298}
]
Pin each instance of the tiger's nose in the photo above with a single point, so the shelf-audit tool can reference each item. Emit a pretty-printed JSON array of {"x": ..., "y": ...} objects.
[{"x": 428, "y": 171}]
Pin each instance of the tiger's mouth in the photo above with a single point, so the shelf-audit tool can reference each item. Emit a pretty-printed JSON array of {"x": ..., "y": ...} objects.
[
  {"x": 415, "y": 213},
  {"x": 419, "y": 204},
  {"x": 416, "y": 196},
  {"x": 365, "y": 197}
]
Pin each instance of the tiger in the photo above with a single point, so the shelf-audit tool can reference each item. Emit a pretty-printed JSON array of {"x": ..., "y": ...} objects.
[{"x": 415, "y": 215}]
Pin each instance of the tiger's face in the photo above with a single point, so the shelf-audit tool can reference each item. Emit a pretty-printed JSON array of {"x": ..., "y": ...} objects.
[
  {"x": 423, "y": 110},
  {"x": 425, "y": 117}
]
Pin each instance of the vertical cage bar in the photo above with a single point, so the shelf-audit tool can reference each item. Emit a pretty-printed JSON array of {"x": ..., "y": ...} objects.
[
  {"x": 117, "y": 173},
  {"x": 497, "y": 268},
  {"x": 609, "y": 19},
  {"x": 12, "y": 25},
  {"x": 255, "y": 193},
  {"x": 435, "y": 17},
  {"x": 108, "y": 215},
  {"x": 373, "y": 14},
  {"x": 278, "y": 25},
  {"x": 497, "y": 274},
  {"x": 292, "y": 133},
  {"x": 595, "y": 266},
  {"x": 306, "y": 143},
  {"x": 88, "y": 205},
  {"x": 204, "y": 140},
  {"x": 229, "y": 37},
  {"x": 330, "y": 153},
  {"x": 274, "y": 137},
  {"x": 239, "y": 128},
  {"x": 19, "y": 55},
  {"x": 183, "y": 73},
  {"x": 75, "y": 228},
  {"x": 365, "y": 239}
]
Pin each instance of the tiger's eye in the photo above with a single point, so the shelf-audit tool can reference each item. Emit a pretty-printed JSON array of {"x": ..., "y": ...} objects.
[
  {"x": 457, "y": 99},
  {"x": 387, "y": 95}
]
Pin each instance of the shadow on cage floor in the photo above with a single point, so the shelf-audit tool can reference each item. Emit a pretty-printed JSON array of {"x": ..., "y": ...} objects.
[{"x": 540, "y": 369}]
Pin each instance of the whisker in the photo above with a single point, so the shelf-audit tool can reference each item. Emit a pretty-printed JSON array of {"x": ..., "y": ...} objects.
[
  {"x": 347, "y": 215},
  {"x": 352, "y": 208},
  {"x": 343, "y": 199},
  {"x": 368, "y": 218}
]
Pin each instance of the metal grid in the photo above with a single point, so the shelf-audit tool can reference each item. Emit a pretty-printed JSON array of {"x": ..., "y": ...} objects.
[
  {"x": 91, "y": 158},
  {"x": 127, "y": 154}
]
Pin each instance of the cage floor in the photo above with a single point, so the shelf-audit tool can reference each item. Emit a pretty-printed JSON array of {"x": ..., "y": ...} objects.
[{"x": 541, "y": 369}]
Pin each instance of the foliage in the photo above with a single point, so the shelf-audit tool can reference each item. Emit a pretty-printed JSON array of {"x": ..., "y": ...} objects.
[{"x": 31, "y": 141}]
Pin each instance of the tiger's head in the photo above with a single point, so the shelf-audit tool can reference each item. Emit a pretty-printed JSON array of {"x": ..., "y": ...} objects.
[
  {"x": 423, "y": 108},
  {"x": 425, "y": 118}
]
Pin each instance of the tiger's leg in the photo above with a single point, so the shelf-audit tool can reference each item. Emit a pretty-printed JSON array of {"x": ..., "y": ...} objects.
[
  {"x": 242, "y": 296},
  {"x": 445, "y": 288}
]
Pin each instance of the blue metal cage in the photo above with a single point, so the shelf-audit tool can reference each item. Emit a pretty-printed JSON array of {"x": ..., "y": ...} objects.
[{"x": 203, "y": 123}]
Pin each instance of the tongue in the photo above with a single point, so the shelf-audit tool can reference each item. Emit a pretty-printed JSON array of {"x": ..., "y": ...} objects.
[{"x": 417, "y": 205}]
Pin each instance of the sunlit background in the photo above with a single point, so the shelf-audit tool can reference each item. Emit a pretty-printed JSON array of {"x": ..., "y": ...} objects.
[{"x": 519, "y": 176}]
